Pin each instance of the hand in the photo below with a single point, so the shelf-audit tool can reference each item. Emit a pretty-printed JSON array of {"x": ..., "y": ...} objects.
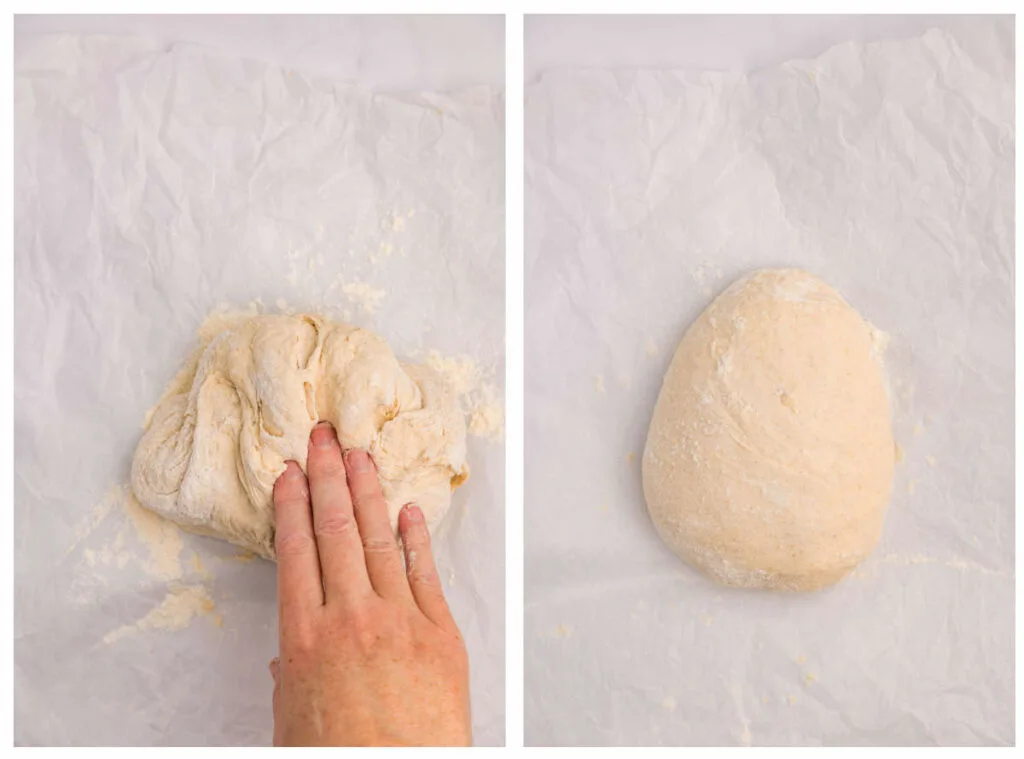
[{"x": 370, "y": 654}]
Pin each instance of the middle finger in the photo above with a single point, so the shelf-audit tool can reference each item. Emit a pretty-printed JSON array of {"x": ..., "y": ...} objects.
[{"x": 337, "y": 536}]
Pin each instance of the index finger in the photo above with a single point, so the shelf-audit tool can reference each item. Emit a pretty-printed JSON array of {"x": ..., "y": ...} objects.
[{"x": 299, "y": 588}]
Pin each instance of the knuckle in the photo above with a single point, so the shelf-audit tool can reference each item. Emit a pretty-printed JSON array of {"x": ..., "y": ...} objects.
[
  {"x": 334, "y": 525},
  {"x": 404, "y": 634},
  {"x": 290, "y": 504},
  {"x": 357, "y": 618},
  {"x": 378, "y": 629},
  {"x": 294, "y": 544},
  {"x": 368, "y": 638},
  {"x": 379, "y": 546}
]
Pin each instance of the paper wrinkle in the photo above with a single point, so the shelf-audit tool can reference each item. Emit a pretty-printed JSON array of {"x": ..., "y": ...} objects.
[
  {"x": 156, "y": 184},
  {"x": 886, "y": 169}
]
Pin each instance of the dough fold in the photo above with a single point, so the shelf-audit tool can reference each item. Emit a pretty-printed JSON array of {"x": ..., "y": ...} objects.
[{"x": 246, "y": 401}]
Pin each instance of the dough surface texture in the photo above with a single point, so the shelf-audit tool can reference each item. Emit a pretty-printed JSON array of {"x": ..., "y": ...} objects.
[
  {"x": 769, "y": 459},
  {"x": 246, "y": 401}
]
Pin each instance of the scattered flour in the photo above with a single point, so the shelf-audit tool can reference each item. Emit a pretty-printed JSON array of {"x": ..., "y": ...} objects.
[
  {"x": 243, "y": 558},
  {"x": 479, "y": 396},
  {"x": 702, "y": 274},
  {"x": 363, "y": 295},
  {"x": 100, "y": 512},
  {"x": 486, "y": 416},
  {"x": 736, "y": 691},
  {"x": 161, "y": 538},
  {"x": 956, "y": 563},
  {"x": 461, "y": 372},
  {"x": 159, "y": 557},
  {"x": 199, "y": 568},
  {"x": 181, "y": 604},
  {"x": 113, "y": 555}
]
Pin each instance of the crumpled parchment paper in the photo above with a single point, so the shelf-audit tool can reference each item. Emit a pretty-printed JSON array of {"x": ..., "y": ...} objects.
[
  {"x": 887, "y": 169},
  {"x": 153, "y": 185}
]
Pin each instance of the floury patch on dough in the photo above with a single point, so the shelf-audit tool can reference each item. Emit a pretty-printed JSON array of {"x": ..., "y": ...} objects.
[
  {"x": 769, "y": 459},
  {"x": 246, "y": 401}
]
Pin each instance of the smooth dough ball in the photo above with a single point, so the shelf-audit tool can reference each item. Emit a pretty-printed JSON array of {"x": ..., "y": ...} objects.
[
  {"x": 769, "y": 459},
  {"x": 249, "y": 396}
]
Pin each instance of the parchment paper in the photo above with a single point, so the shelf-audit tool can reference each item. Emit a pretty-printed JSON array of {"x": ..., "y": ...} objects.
[
  {"x": 887, "y": 169},
  {"x": 151, "y": 186}
]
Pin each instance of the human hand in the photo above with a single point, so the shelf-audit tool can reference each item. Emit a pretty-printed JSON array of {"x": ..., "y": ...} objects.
[{"x": 370, "y": 654}]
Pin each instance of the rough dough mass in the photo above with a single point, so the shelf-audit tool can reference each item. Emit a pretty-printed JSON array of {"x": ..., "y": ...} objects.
[
  {"x": 249, "y": 396},
  {"x": 769, "y": 458}
]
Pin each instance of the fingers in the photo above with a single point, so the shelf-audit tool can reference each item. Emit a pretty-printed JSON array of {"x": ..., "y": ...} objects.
[
  {"x": 334, "y": 524},
  {"x": 298, "y": 568},
  {"x": 419, "y": 565},
  {"x": 383, "y": 558}
]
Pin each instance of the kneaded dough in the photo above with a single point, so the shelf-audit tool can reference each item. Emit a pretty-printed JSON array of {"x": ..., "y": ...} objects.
[
  {"x": 249, "y": 396},
  {"x": 769, "y": 459}
]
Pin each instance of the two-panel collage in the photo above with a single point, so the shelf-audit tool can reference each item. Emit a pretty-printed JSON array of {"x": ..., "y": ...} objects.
[{"x": 513, "y": 380}]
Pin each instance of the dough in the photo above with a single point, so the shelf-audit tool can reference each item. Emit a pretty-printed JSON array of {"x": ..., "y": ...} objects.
[
  {"x": 769, "y": 458},
  {"x": 246, "y": 402}
]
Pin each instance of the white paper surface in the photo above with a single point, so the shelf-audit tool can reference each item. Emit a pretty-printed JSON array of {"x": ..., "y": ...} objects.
[
  {"x": 887, "y": 169},
  {"x": 151, "y": 185}
]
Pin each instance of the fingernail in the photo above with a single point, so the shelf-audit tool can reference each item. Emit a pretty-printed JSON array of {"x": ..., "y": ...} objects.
[
  {"x": 413, "y": 512},
  {"x": 359, "y": 460},
  {"x": 323, "y": 435}
]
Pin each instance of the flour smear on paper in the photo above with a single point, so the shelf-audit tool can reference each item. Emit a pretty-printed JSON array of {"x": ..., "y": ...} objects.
[{"x": 147, "y": 543}]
